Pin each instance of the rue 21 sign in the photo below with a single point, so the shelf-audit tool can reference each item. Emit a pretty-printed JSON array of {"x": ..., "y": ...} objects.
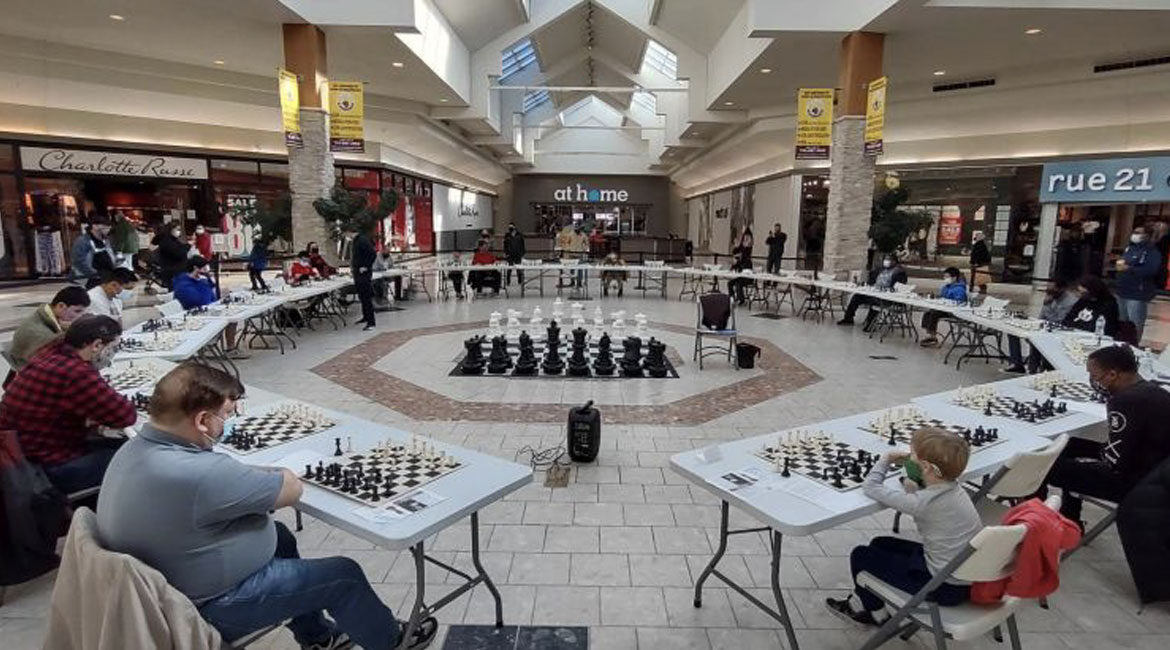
[{"x": 1120, "y": 180}]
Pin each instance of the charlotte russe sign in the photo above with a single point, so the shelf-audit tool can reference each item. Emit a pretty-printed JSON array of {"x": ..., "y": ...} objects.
[
  {"x": 1119, "y": 180},
  {"x": 107, "y": 163},
  {"x": 580, "y": 193}
]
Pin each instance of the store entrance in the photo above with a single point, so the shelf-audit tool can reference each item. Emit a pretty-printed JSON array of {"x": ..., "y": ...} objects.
[
  {"x": 1090, "y": 238},
  {"x": 59, "y": 207},
  {"x": 613, "y": 219}
]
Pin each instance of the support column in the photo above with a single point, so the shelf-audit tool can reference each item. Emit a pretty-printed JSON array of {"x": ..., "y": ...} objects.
[
  {"x": 851, "y": 171},
  {"x": 310, "y": 167}
]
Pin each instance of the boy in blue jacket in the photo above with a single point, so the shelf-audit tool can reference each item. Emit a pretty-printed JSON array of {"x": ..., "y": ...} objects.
[
  {"x": 195, "y": 289},
  {"x": 954, "y": 288}
]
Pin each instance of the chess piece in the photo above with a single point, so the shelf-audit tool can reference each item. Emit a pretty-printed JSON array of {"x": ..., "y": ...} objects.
[
  {"x": 500, "y": 361},
  {"x": 553, "y": 333},
  {"x": 552, "y": 363},
  {"x": 337, "y": 451},
  {"x": 632, "y": 360},
  {"x": 785, "y": 473},
  {"x": 473, "y": 363},
  {"x": 655, "y": 362},
  {"x": 893, "y": 440},
  {"x": 603, "y": 365},
  {"x": 526, "y": 363},
  {"x": 578, "y": 362}
]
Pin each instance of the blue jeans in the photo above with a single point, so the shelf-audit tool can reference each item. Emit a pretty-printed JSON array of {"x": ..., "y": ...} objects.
[
  {"x": 1133, "y": 311},
  {"x": 82, "y": 472},
  {"x": 291, "y": 587}
]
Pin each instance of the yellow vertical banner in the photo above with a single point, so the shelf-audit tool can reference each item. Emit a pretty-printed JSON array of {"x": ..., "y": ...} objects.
[
  {"x": 814, "y": 123},
  {"x": 346, "y": 109},
  {"x": 290, "y": 109},
  {"x": 875, "y": 117}
]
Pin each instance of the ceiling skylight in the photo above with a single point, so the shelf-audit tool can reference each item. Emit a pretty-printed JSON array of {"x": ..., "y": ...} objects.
[
  {"x": 660, "y": 59},
  {"x": 517, "y": 57},
  {"x": 534, "y": 99}
]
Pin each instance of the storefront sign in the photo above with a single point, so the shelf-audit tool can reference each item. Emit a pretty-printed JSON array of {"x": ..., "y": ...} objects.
[
  {"x": 582, "y": 194},
  {"x": 950, "y": 226},
  {"x": 290, "y": 109},
  {"x": 875, "y": 117},
  {"x": 814, "y": 123},
  {"x": 107, "y": 163},
  {"x": 1121, "y": 180},
  {"x": 346, "y": 114}
]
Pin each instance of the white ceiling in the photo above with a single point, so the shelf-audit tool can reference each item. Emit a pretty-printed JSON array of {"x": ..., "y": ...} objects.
[
  {"x": 479, "y": 21},
  {"x": 699, "y": 23}
]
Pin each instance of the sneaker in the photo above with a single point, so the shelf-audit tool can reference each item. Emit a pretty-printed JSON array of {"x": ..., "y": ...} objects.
[
  {"x": 368, "y": 327},
  {"x": 1013, "y": 370},
  {"x": 237, "y": 353},
  {"x": 339, "y": 641},
  {"x": 845, "y": 321},
  {"x": 842, "y": 608},
  {"x": 423, "y": 636},
  {"x": 929, "y": 342}
]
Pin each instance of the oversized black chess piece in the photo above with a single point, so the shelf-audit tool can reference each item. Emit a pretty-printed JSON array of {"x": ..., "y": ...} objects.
[
  {"x": 578, "y": 362},
  {"x": 553, "y": 333},
  {"x": 655, "y": 362},
  {"x": 632, "y": 360},
  {"x": 603, "y": 364},
  {"x": 526, "y": 363},
  {"x": 552, "y": 363},
  {"x": 500, "y": 360},
  {"x": 474, "y": 362}
]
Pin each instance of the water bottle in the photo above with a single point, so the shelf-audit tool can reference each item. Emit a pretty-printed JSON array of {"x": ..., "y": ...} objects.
[{"x": 1099, "y": 329}]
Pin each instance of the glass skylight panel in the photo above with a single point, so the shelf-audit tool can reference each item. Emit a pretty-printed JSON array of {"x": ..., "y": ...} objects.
[
  {"x": 534, "y": 99},
  {"x": 660, "y": 59},
  {"x": 517, "y": 57},
  {"x": 646, "y": 100}
]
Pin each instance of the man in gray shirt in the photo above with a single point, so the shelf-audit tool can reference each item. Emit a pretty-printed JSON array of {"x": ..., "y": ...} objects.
[{"x": 202, "y": 519}]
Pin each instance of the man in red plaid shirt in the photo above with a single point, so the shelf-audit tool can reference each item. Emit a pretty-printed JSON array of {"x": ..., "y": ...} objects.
[{"x": 55, "y": 402}]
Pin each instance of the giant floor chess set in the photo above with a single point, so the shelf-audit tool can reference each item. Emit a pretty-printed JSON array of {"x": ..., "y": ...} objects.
[
  {"x": 281, "y": 423},
  {"x": 589, "y": 348},
  {"x": 1057, "y": 386},
  {"x": 897, "y": 426},
  {"x": 819, "y": 456},
  {"x": 383, "y": 473},
  {"x": 989, "y": 402}
]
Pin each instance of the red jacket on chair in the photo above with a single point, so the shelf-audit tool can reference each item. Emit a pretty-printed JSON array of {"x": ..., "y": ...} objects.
[{"x": 1037, "y": 570}]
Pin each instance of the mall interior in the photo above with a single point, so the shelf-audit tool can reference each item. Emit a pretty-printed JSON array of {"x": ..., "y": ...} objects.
[{"x": 364, "y": 323}]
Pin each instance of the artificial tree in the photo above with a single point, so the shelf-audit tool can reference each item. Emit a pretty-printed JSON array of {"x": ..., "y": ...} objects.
[
  {"x": 890, "y": 226},
  {"x": 351, "y": 212},
  {"x": 271, "y": 221}
]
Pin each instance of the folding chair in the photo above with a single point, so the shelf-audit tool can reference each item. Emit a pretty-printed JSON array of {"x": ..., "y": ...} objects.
[
  {"x": 989, "y": 556},
  {"x": 709, "y": 323},
  {"x": 893, "y": 316},
  {"x": 1101, "y": 526}
]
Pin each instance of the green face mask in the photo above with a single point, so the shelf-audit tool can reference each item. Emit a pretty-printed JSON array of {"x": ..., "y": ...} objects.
[{"x": 913, "y": 470}]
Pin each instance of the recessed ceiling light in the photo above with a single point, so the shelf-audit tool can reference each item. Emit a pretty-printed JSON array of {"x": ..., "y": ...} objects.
[
  {"x": 218, "y": 62},
  {"x": 1032, "y": 31},
  {"x": 444, "y": 100},
  {"x": 117, "y": 17},
  {"x": 765, "y": 70},
  {"x": 398, "y": 64},
  {"x": 939, "y": 73},
  {"x": 729, "y": 103}
]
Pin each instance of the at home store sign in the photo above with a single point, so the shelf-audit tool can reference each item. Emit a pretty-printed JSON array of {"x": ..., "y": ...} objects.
[
  {"x": 581, "y": 194},
  {"x": 108, "y": 163},
  {"x": 1119, "y": 180}
]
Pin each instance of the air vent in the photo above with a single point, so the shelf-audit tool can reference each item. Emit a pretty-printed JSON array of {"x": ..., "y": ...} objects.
[
  {"x": 963, "y": 85},
  {"x": 1129, "y": 65}
]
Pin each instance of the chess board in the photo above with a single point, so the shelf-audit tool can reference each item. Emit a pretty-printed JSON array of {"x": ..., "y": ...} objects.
[
  {"x": 192, "y": 324},
  {"x": 539, "y": 347},
  {"x": 131, "y": 377},
  {"x": 907, "y": 423},
  {"x": 380, "y": 475},
  {"x": 163, "y": 341},
  {"x": 1057, "y": 387},
  {"x": 1003, "y": 406},
  {"x": 280, "y": 424},
  {"x": 141, "y": 402},
  {"x": 818, "y": 458}
]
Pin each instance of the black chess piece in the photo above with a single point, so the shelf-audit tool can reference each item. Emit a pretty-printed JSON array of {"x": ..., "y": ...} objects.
[
  {"x": 785, "y": 473},
  {"x": 500, "y": 360},
  {"x": 552, "y": 363},
  {"x": 473, "y": 363},
  {"x": 553, "y": 333},
  {"x": 308, "y": 472},
  {"x": 388, "y": 488},
  {"x": 987, "y": 407},
  {"x": 632, "y": 359},
  {"x": 893, "y": 436},
  {"x": 603, "y": 364},
  {"x": 1062, "y": 408},
  {"x": 837, "y": 478},
  {"x": 655, "y": 362},
  {"x": 578, "y": 362},
  {"x": 526, "y": 363},
  {"x": 337, "y": 442}
]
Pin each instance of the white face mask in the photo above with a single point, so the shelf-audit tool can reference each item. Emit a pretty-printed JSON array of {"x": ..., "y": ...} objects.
[
  {"x": 199, "y": 230},
  {"x": 176, "y": 233},
  {"x": 1136, "y": 238},
  {"x": 887, "y": 263}
]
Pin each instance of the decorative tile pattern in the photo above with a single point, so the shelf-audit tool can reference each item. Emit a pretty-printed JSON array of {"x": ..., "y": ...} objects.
[{"x": 778, "y": 373}]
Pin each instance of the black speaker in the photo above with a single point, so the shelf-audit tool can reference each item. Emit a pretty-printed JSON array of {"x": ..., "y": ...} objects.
[{"x": 584, "y": 432}]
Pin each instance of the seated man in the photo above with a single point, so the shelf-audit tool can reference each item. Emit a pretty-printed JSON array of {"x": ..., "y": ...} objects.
[
  {"x": 109, "y": 297},
  {"x": 456, "y": 277},
  {"x": 480, "y": 279},
  {"x": 1059, "y": 297},
  {"x": 195, "y": 289},
  {"x": 954, "y": 288},
  {"x": 47, "y": 323},
  {"x": 890, "y": 274},
  {"x": 613, "y": 277},
  {"x": 55, "y": 402},
  {"x": 1138, "y": 413},
  {"x": 202, "y": 519},
  {"x": 735, "y": 286}
]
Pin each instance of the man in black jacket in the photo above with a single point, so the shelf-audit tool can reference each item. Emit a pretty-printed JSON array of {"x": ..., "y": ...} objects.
[
  {"x": 1138, "y": 412},
  {"x": 775, "y": 241},
  {"x": 1143, "y": 522},
  {"x": 885, "y": 279},
  {"x": 514, "y": 253},
  {"x": 362, "y": 264},
  {"x": 980, "y": 263}
]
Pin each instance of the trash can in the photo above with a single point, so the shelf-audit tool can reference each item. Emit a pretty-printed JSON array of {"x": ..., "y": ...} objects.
[
  {"x": 745, "y": 355},
  {"x": 584, "y": 433}
]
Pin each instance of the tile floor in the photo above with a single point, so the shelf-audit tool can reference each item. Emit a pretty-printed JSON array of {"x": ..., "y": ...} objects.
[{"x": 618, "y": 549}]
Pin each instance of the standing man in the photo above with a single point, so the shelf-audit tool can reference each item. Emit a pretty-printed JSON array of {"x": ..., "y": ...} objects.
[
  {"x": 124, "y": 239},
  {"x": 980, "y": 263},
  {"x": 775, "y": 241},
  {"x": 1138, "y": 411},
  {"x": 362, "y": 264},
  {"x": 579, "y": 248},
  {"x": 514, "y": 250},
  {"x": 202, "y": 519},
  {"x": 1137, "y": 279}
]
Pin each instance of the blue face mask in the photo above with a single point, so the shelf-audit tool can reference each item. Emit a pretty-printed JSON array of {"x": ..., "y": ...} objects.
[
  {"x": 125, "y": 295},
  {"x": 229, "y": 426}
]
